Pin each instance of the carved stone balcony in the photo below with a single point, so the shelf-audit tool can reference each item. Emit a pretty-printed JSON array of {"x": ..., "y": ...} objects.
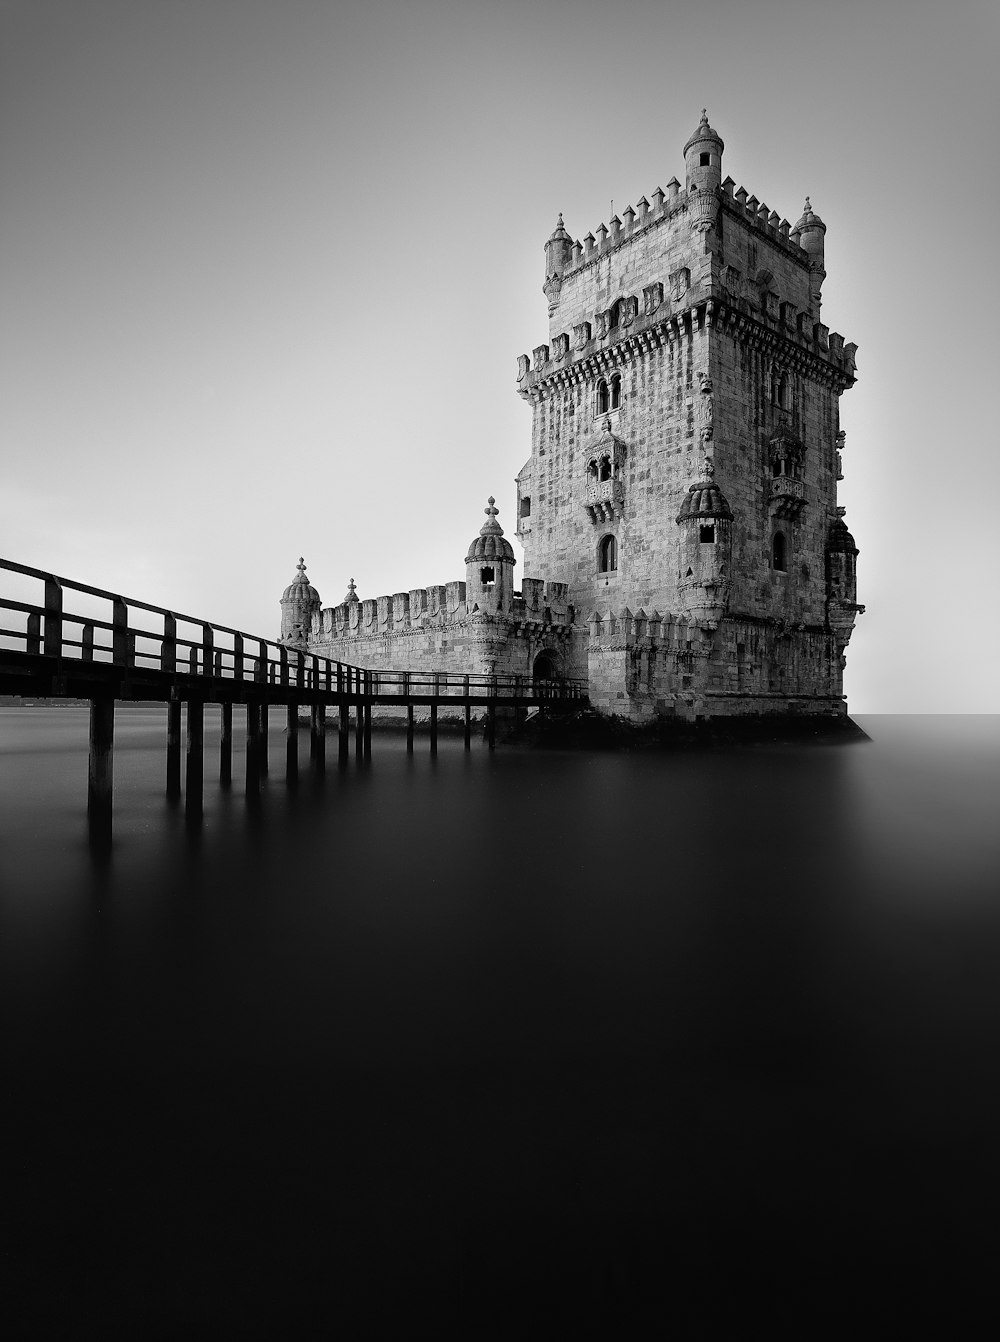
[
  {"x": 787, "y": 496},
  {"x": 605, "y": 499}
]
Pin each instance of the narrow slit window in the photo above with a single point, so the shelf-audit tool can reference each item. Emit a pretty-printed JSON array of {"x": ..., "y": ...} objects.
[
  {"x": 602, "y": 397},
  {"x": 616, "y": 391},
  {"x": 526, "y": 506},
  {"x": 608, "y": 554}
]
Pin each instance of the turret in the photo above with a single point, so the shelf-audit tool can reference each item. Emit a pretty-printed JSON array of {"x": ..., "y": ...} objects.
[
  {"x": 703, "y": 174},
  {"x": 299, "y": 602},
  {"x": 706, "y": 543},
  {"x": 489, "y": 569},
  {"x": 558, "y": 250},
  {"x": 809, "y": 232}
]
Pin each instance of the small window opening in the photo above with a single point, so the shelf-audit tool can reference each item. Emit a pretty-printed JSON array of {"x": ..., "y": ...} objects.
[
  {"x": 689, "y": 574},
  {"x": 706, "y": 534},
  {"x": 776, "y": 466},
  {"x": 592, "y": 471},
  {"x": 705, "y": 159},
  {"x": 602, "y": 397},
  {"x": 608, "y": 554},
  {"x": 488, "y": 575},
  {"x": 616, "y": 391},
  {"x": 526, "y": 506},
  {"x": 605, "y": 468},
  {"x": 783, "y": 391},
  {"x": 778, "y": 552}
]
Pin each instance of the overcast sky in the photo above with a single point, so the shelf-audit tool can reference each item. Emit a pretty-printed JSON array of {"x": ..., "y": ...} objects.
[{"x": 266, "y": 267}]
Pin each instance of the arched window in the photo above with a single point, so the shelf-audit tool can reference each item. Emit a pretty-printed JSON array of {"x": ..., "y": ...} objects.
[
  {"x": 778, "y": 556},
  {"x": 616, "y": 391},
  {"x": 773, "y": 380},
  {"x": 605, "y": 468},
  {"x": 783, "y": 391},
  {"x": 607, "y": 554},
  {"x": 602, "y": 397}
]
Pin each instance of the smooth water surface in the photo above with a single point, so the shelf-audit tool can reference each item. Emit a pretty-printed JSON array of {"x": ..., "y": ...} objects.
[{"x": 510, "y": 1045}]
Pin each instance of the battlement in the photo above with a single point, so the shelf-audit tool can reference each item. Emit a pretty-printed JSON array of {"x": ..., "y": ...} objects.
[{"x": 437, "y": 607}]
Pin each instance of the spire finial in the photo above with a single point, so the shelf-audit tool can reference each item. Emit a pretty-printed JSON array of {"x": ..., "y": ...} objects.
[
  {"x": 704, "y": 115},
  {"x": 490, "y": 511},
  {"x": 808, "y": 208},
  {"x": 301, "y": 566}
]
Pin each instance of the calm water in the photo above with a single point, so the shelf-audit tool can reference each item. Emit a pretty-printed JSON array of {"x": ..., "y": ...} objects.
[{"x": 531, "y": 1044}]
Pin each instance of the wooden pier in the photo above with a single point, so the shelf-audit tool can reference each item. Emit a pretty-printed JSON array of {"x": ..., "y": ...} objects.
[{"x": 74, "y": 641}]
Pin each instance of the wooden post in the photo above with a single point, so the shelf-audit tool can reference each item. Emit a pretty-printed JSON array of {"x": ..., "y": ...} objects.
[
  {"x": 317, "y": 749},
  {"x": 368, "y": 729},
  {"x": 409, "y": 729},
  {"x": 434, "y": 729},
  {"x": 491, "y": 725},
  {"x": 194, "y": 784},
  {"x": 174, "y": 747},
  {"x": 359, "y": 729},
  {"x": 468, "y": 725},
  {"x": 226, "y": 746},
  {"x": 344, "y": 734},
  {"x": 52, "y": 646},
  {"x": 292, "y": 741},
  {"x": 253, "y": 749},
  {"x": 262, "y": 718},
  {"x": 100, "y": 783}
]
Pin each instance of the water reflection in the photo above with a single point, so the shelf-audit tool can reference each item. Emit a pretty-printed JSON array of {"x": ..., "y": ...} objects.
[{"x": 682, "y": 1038}]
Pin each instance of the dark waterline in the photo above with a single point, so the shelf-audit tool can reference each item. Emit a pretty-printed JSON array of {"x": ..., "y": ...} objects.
[{"x": 523, "y": 1044}]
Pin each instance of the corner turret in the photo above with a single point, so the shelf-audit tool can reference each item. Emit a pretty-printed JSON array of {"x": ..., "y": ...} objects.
[
  {"x": 558, "y": 250},
  {"x": 489, "y": 569},
  {"x": 706, "y": 522},
  {"x": 299, "y": 602},
  {"x": 703, "y": 174},
  {"x": 809, "y": 232}
]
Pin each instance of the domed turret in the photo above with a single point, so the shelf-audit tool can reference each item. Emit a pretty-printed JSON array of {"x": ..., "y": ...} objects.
[
  {"x": 489, "y": 568},
  {"x": 557, "y": 254},
  {"x": 703, "y": 173},
  {"x": 706, "y": 522},
  {"x": 810, "y": 233},
  {"x": 299, "y": 602}
]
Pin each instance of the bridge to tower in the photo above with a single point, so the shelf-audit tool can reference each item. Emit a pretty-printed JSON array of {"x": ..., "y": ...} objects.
[{"x": 64, "y": 639}]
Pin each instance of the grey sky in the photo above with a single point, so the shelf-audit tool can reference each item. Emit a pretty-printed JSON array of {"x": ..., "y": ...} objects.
[{"x": 266, "y": 268}]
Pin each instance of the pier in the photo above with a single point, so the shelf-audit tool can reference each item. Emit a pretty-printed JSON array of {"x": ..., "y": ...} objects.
[{"x": 63, "y": 639}]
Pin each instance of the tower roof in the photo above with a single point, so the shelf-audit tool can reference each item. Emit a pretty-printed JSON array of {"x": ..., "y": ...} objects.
[
  {"x": 491, "y": 543},
  {"x": 808, "y": 219},
  {"x": 704, "y": 499},
  {"x": 704, "y": 133},
  {"x": 300, "y": 589},
  {"x": 840, "y": 540},
  {"x": 559, "y": 233}
]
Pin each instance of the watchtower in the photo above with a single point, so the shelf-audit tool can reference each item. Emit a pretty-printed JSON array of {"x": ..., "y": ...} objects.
[{"x": 686, "y": 451}]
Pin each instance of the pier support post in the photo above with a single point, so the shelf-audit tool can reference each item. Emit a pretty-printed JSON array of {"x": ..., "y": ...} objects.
[
  {"x": 409, "y": 729},
  {"x": 317, "y": 739},
  {"x": 359, "y": 730},
  {"x": 226, "y": 746},
  {"x": 262, "y": 752},
  {"x": 292, "y": 741},
  {"x": 100, "y": 782},
  {"x": 344, "y": 730},
  {"x": 368, "y": 730},
  {"x": 253, "y": 749},
  {"x": 434, "y": 729},
  {"x": 491, "y": 726},
  {"x": 173, "y": 748},
  {"x": 468, "y": 726},
  {"x": 194, "y": 782}
]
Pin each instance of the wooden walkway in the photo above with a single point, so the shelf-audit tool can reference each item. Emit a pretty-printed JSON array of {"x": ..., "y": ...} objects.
[{"x": 64, "y": 639}]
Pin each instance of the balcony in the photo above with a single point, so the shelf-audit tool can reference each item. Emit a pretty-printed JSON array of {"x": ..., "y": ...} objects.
[{"x": 605, "y": 499}]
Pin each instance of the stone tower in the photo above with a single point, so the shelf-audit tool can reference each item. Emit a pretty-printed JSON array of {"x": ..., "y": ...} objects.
[
  {"x": 489, "y": 569},
  {"x": 299, "y": 603},
  {"x": 685, "y": 453}
]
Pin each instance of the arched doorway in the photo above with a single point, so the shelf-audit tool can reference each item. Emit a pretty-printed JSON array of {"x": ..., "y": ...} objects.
[{"x": 545, "y": 666}]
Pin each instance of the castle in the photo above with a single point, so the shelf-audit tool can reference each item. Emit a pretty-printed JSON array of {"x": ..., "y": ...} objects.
[{"x": 678, "y": 512}]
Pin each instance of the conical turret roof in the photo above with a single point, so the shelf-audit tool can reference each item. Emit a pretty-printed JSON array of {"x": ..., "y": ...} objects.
[
  {"x": 704, "y": 132},
  {"x": 490, "y": 544},
  {"x": 300, "y": 589},
  {"x": 704, "y": 499}
]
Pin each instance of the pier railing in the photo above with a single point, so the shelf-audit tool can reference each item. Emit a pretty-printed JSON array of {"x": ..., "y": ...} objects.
[
  {"x": 76, "y": 623},
  {"x": 65, "y": 639}
]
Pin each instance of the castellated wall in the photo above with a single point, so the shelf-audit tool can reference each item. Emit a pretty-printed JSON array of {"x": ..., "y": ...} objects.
[{"x": 430, "y": 629}]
